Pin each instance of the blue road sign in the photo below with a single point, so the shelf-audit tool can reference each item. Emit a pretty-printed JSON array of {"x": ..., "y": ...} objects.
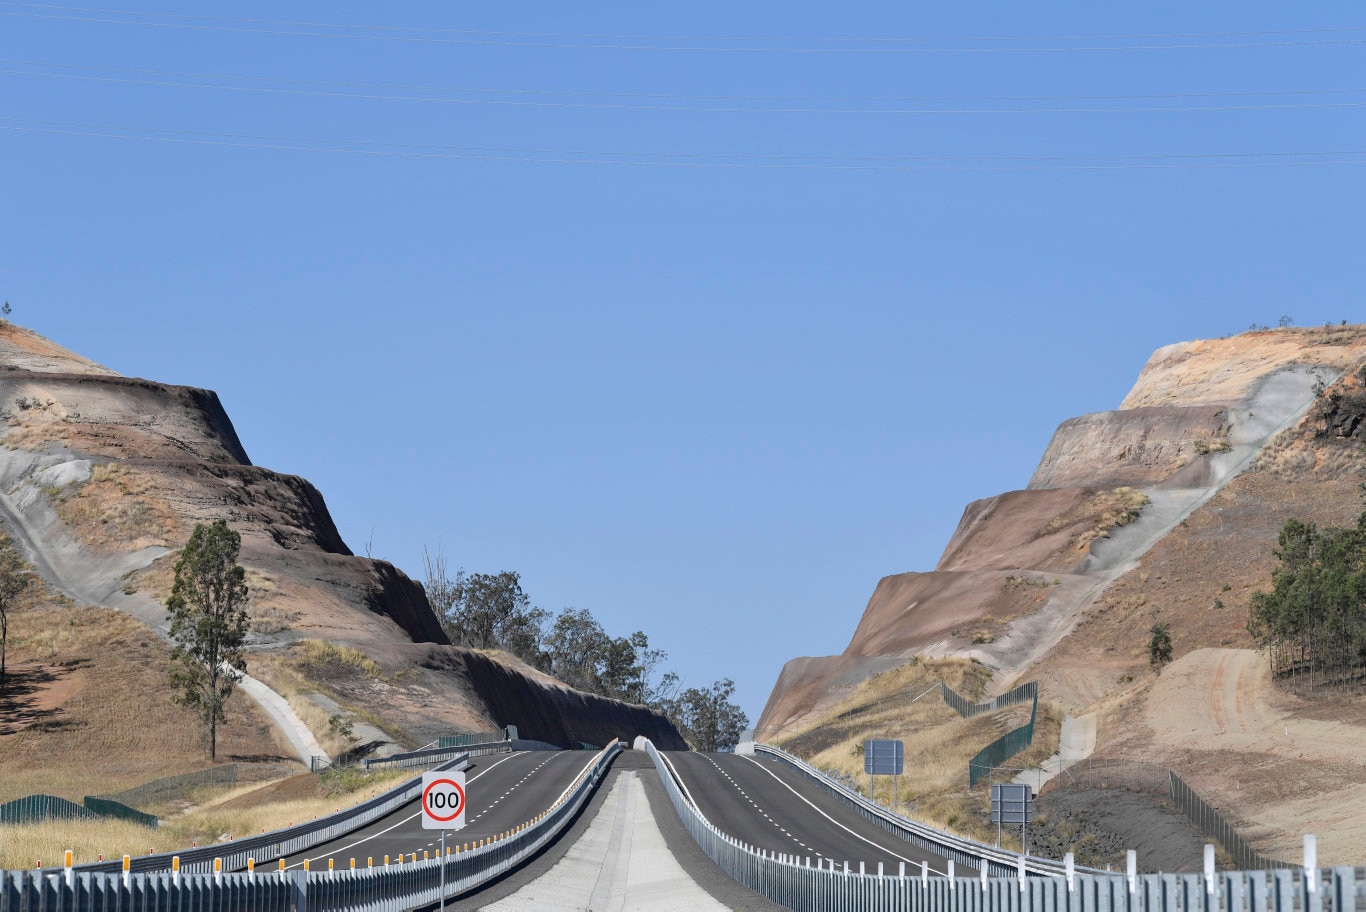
[{"x": 882, "y": 758}]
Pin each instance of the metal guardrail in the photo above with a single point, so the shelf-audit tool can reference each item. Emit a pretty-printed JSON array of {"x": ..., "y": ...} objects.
[
  {"x": 428, "y": 756},
  {"x": 791, "y": 881},
  {"x": 958, "y": 849},
  {"x": 391, "y": 888},
  {"x": 279, "y": 843}
]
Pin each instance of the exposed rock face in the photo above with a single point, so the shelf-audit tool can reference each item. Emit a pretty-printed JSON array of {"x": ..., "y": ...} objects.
[
  {"x": 1179, "y": 431},
  {"x": 105, "y": 477},
  {"x": 1135, "y": 447},
  {"x": 546, "y": 711}
]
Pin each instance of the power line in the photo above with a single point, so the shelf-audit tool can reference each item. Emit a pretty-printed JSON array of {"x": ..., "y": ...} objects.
[
  {"x": 958, "y": 162},
  {"x": 572, "y": 41},
  {"x": 715, "y": 109}
]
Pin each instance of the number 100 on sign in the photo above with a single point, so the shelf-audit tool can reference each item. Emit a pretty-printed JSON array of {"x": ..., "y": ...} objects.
[{"x": 443, "y": 801}]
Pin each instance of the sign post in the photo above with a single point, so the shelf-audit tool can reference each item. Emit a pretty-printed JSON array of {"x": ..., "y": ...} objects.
[
  {"x": 883, "y": 758},
  {"x": 1012, "y": 804},
  {"x": 443, "y": 808}
]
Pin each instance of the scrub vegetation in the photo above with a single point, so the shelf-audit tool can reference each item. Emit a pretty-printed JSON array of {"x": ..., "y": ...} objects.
[{"x": 938, "y": 742}]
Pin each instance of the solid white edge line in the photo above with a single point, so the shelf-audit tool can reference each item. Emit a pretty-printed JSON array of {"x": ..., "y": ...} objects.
[
  {"x": 678, "y": 778},
  {"x": 834, "y": 821}
]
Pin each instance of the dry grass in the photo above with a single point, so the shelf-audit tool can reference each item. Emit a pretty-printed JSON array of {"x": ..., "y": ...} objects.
[
  {"x": 116, "y": 509},
  {"x": 938, "y": 743},
  {"x": 296, "y": 676},
  {"x": 1099, "y": 513},
  {"x": 87, "y": 709},
  {"x": 321, "y": 658},
  {"x": 264, "y": 614},
  {"x": 231, "y": 813}
]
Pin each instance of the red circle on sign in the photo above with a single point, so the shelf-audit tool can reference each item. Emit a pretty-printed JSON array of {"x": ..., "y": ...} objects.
[{"x": 460, "y": 805}]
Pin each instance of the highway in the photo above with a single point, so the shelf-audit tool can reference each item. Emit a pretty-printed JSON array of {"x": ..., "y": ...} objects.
[
  {"x": 775, "y": 808},
  {"x": 502, "y": 791}
]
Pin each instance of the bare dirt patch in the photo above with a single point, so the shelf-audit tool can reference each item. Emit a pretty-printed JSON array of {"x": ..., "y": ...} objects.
[{"x": 34, "y": 694}]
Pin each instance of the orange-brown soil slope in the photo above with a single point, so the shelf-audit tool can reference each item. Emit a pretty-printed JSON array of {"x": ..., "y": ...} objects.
[
  {"x": 1166, "y": 510},
  {"x": 103, "y": 477}
]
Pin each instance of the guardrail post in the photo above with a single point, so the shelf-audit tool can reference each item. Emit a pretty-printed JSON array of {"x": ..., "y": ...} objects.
[{"x": 1311, "y": 862}]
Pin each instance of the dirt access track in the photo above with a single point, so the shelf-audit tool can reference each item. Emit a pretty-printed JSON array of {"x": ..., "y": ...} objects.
[{"x": 1215, "y": 703}]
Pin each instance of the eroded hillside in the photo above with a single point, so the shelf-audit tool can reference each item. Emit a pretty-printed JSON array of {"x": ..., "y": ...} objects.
[
  {"x": 102, "y": 479},
  {"x": 1165, "y": 510}
]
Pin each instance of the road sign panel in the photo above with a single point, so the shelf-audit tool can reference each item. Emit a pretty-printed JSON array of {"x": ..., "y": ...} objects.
[
  {"x": 882, "y": 758},
  {"x": 1012, "y": 804},
  {"x": 443, "y": 801}
]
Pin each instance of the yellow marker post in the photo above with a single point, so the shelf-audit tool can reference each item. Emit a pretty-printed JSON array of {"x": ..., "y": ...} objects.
[
  {"x": 175, "y": 869},
  {"x": 127, "y": 871},
  {"x": 218, "y": 871},
  {"x": 369, "y": 861},
  {"x": 331, "y": 872},
  {"x": 251, "y": 870},
  {"x": 426, "y": 856},
  {"x": 305, "y": 865},
  {"x": 386, "y": 861}
]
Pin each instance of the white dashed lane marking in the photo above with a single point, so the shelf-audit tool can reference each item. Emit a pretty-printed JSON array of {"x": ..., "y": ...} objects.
[{"x": 755, "y": 805}]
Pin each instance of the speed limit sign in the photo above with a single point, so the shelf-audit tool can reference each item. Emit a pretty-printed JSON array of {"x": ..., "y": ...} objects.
[{"x": 443, "y": 801}]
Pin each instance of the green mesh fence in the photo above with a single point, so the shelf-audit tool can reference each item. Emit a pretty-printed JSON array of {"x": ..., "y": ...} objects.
[
  {"x": 37, "y": 808},
  {"x": 1003, "y": 748},
  {"x": 107, "y": 807},
  {"x": 967, "y": 708}
]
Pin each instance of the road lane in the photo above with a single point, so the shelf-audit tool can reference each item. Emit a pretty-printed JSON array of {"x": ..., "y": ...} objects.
[
  {"x": 502, "y": 791},
  {"x": 774, "y": 808}
]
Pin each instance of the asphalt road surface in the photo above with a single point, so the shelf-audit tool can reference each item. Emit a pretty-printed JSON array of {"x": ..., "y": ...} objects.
[
  {"x": 773, "y": 807},
  {"x": 501, "y": 791}
]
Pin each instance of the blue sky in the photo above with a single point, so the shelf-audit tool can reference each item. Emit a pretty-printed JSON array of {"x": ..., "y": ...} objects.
[{"x": 701, "y": 318}]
